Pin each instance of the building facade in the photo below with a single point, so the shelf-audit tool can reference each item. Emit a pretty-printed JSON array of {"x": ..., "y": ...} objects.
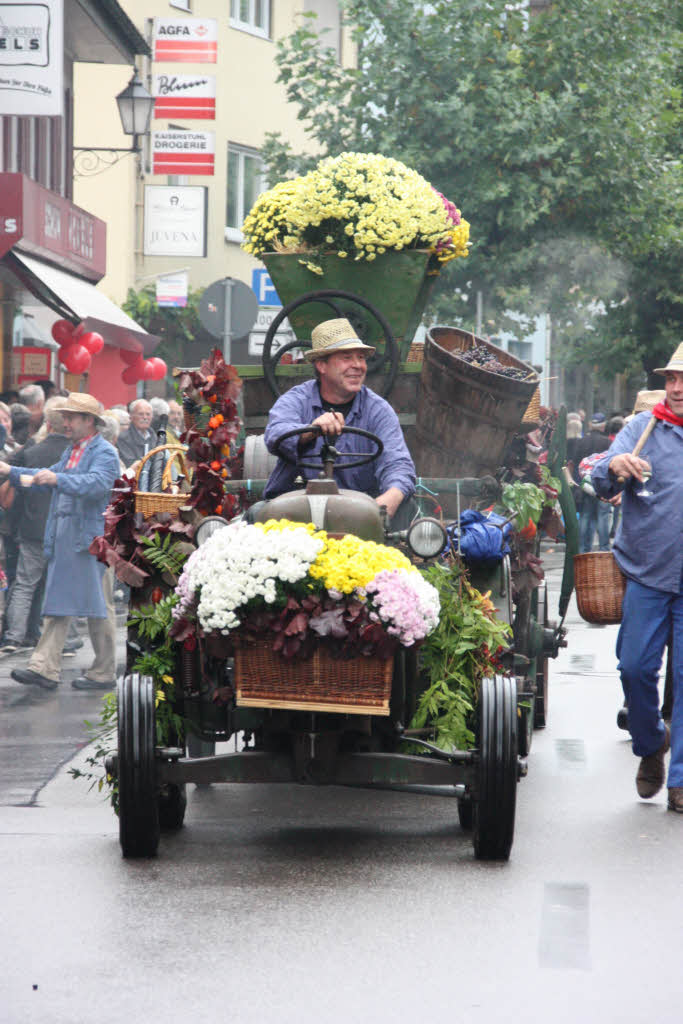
[
  {"x": 179, "y": 208},
  {"x": 53, "y": 251}
]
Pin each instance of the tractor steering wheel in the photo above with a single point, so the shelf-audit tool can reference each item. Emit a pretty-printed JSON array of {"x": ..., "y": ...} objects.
[{"x": 343, "y": 457}]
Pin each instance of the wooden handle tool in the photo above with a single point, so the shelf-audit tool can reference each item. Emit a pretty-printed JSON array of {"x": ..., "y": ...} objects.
[{"x": 640, "y": 442}]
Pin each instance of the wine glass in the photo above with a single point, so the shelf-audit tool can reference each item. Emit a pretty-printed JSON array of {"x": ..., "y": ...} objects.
[{"x": 643, "y": 490}]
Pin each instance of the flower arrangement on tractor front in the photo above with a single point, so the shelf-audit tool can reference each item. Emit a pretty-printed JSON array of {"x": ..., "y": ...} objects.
[
  {"x": 358, "y": 206},
  {"x": 304, "y": 588}
]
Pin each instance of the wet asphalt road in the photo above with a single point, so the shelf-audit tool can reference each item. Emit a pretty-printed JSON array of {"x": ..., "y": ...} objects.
[{"x": 289, "y": 904}]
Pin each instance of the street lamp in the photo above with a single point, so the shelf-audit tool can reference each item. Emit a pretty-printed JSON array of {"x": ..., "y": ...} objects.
[{"x": 135, "y": 110}]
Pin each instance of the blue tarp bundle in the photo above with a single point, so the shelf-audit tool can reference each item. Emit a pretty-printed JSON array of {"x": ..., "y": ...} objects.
[{"x": 483, "y": 538}]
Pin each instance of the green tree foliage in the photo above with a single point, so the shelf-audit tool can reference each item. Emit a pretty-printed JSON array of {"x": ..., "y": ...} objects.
[{"x": 557, "y": 136}]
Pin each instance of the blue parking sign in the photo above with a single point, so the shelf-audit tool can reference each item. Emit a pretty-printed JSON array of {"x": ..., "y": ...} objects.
[{"x": 264, "y": 288}]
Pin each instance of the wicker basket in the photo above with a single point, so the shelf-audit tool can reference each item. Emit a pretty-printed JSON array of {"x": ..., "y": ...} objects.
[
  {"x": 600, "y": 587},
  {"x": 151, "y": 503},
  {"x": 359, "y": 686},
  {"x": 533, "y": 410}
]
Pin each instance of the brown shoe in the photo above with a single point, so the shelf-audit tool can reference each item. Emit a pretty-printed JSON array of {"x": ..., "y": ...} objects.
[
  {"x": 676, "y": 799},
  {"x": 651, "y": 773}
]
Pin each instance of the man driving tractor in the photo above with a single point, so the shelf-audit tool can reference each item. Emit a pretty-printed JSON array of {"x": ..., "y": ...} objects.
[{"x": 336, "y": 398}]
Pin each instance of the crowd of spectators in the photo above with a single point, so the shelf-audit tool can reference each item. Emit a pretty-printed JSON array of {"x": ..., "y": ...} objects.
[{"x": 34, "y": 440}]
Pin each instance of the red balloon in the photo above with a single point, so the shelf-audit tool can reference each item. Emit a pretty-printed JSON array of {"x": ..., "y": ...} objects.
[
  {"x": 63, "y": 331},
  {"x": 77, "y": 359},
  {"x": 155, "y": 368},
  {"x": 63, "y": 353},
  {"x": 130, "y": 375},
  {"x": 129, "y": 357},
  {"x": 93, "y": 341}
]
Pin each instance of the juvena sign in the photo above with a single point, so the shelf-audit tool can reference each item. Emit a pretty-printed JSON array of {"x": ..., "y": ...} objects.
[
  {"x": 188, "y": 40},
  {"x": 175, "y": 220}
]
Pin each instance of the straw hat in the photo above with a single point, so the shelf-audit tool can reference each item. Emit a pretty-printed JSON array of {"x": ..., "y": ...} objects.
[
  {"x": 647, "y": 400},
  {"x": 86, "y": 405},
  {"x": 335, "y": 336},
  {"x": 675, "y": 363}
]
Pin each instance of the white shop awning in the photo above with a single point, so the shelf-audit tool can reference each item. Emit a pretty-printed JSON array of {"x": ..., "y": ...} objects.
[{"x": 87, "y": 304}]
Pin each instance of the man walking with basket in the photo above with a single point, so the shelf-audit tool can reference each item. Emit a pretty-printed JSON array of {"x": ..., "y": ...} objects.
[{"x": 644, "y": 463}]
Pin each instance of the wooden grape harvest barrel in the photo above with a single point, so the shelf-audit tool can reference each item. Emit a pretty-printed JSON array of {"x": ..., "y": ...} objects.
[{"x": 466, "y": 414}]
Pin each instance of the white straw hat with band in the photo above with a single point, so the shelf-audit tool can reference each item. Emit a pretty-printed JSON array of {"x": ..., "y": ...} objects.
[
  {"x": 675, "y": 364},
  {"x": 335, "y": 336}
]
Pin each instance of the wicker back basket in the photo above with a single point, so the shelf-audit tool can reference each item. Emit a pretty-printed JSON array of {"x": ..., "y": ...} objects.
[
  {"x": 358, "y": 686},
  {"x": 600, "y": 587},
  {"x": 151, "y": 503}
]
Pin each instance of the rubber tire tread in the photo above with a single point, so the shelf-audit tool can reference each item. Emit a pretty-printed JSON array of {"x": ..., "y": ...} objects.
[
  {"x": 138, "y": 790},
  {"x": 542, "y": 694},
  {"x": 494, "y": 807},
  {"x": 172, "y": 806}
]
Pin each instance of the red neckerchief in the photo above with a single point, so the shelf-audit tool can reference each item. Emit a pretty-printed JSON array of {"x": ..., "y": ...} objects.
[
  {"x": 662, "y": 412},
  {"x": 77, "y": 451}
]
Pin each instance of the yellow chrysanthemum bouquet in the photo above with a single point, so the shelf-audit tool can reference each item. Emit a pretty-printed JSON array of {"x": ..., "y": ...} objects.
[{"x": 357, "y": 206}]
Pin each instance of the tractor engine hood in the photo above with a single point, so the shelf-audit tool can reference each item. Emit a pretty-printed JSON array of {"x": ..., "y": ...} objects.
[{"x": 323, "y": 503}]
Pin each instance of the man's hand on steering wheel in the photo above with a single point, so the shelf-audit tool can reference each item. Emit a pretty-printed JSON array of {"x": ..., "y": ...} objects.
[{"x": 331, "y": 424}]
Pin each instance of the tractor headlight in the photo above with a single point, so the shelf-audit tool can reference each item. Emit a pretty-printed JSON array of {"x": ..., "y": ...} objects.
[
  {"x": 427, "y": 537},
  {"x": 207, "y": 528}
]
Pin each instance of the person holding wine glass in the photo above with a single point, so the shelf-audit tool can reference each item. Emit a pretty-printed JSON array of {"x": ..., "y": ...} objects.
[{"x": 644, "y": 464}]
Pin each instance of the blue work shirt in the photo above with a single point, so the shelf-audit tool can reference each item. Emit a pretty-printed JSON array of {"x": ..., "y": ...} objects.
[
  {"x": 298, "y": 407},
  {"x": 648, "y": 546}
]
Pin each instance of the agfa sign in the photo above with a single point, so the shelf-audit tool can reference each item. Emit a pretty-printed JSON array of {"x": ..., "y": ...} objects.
[{"x": 189, "y": 40}]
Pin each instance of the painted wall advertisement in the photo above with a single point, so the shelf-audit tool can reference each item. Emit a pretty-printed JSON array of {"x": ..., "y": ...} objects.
[
  {"x": 192, "y": 96},
  {"x": 32, "y": 59},
  {"x": 175, "y": 220},
  {"x": 186, "y": 40},
  {"x": 181, "y": 152}
]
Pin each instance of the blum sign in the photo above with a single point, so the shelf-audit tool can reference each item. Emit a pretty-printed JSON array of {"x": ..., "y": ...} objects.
[
  {"x": 191, "y": 96},
  {"x": 183, "y": 152},
  {"x": 185, "y": 40}
]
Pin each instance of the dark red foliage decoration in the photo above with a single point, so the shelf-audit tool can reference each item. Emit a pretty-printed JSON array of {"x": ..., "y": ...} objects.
[
  {"x": 342, "y": 627},
  {"x": 121, "y": 543},
  {"x": 211, "y": 393}
]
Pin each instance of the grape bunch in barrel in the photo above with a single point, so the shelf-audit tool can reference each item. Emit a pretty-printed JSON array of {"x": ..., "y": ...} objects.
[{"x": 481, "y": 356}]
